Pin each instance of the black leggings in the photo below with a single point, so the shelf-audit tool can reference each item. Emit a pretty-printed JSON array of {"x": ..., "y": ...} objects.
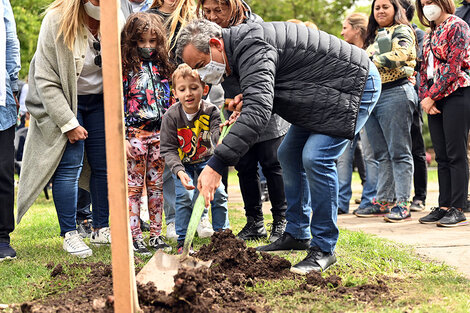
[{"x": 449, "y": 135}]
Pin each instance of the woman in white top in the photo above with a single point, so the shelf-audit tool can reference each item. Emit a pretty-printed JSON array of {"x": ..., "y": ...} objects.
[{"x": 67, "y": 119}]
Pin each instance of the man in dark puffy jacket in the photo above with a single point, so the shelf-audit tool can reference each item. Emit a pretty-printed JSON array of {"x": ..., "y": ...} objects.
[{"x": 322, "y": 85}]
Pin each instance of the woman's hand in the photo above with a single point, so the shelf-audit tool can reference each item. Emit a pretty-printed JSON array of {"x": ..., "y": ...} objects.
[
  {"x": 76, "y": 134},
  {"x": 185, "y": 180},
  {"x": 412, "y": 79},
  {"x": 129, "y": 150},
  {"x": 429, "y": 106}
]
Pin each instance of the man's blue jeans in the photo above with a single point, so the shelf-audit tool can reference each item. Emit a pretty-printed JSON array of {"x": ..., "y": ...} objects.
[
  {"x": 90, "y": 115},
  {"x": 389, "y": 129},
  {"x": 186, "y": 198},
  {"x": 345, "y": 169},
  {"x": 310, "y": 177}
]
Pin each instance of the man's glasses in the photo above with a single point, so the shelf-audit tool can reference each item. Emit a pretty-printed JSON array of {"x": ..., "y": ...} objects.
[{"x": 97, "y": 47}]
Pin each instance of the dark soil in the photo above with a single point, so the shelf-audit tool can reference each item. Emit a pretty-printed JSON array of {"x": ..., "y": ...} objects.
[{"x": 220, "y": 288}]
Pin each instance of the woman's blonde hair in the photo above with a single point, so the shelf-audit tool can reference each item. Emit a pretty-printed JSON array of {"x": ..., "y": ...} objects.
[
  {"x": 359, "y": 21},
  {"x": 184, "y": 12},
  {"x": 72, "y": 19}
]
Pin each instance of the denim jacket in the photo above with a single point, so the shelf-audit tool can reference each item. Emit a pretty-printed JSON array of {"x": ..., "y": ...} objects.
[{"x": 13, "y": 65}]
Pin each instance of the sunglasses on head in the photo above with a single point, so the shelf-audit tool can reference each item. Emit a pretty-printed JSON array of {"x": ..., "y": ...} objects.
[{"x": 97, "y": 47}]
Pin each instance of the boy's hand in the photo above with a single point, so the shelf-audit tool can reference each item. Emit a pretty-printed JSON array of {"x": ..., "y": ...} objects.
[
  {"x": 236, "y": 103},
  {"x": 76, "y": 134},
  {"x": 207, "y": 183},
  {"x": 129, "y": 150},
  {"x": 185, "y": 180},
  {"x": 232, "y": 119}
]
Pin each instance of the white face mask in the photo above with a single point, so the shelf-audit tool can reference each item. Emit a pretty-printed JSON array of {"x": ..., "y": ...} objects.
[
  {"x": 92, "y": 10},
  {"x": 432, "y": 12},
  {"x": 213, "y": 72}
]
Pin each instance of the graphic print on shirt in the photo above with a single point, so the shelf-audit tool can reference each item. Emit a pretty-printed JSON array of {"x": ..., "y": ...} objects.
[{"x": 195, "y": 143}]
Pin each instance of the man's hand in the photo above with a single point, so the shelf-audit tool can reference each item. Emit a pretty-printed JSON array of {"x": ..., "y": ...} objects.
[
  {"x": 76, "y": 134},
  {"x": 15, "y": 97},
  {"x": 185, "y": 180},
  {"x": 236, "y": 103},
  {"x": 207, "y": 183},
  {"x": 429, "y": 106}
]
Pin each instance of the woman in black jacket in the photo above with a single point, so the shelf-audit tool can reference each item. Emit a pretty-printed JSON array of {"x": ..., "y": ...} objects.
[{"x": 227, "y": 13}]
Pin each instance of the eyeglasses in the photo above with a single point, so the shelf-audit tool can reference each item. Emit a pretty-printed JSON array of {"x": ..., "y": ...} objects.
[{"x": 97, "y": 47}]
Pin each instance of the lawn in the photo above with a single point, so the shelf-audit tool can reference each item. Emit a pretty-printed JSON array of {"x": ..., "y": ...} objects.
[{"x": 414, "y": 284}]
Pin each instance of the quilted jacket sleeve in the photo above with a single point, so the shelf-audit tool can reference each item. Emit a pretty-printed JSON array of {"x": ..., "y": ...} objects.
[{"x": 255, "y": 61}]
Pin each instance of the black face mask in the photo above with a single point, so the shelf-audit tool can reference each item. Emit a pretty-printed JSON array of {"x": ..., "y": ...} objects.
[{"x": 146, "y": 53}]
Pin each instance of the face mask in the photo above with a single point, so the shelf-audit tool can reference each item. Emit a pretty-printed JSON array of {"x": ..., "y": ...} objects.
[
  {"x": 146, "y": 53},
  {"x": 432, "y": 12},
  {"x": 213, "y": 72},
  {"x": 92, "y": 10}
]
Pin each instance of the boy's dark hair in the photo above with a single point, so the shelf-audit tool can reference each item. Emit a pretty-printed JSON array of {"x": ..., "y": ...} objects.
[
  {"x": 184, "y": 70},
  {"x": 409, "y": 8},
  {"x": 137, "y": 24}
]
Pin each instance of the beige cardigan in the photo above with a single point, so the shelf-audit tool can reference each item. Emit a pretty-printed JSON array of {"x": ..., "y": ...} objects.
[{"x": 52, "y": 102}]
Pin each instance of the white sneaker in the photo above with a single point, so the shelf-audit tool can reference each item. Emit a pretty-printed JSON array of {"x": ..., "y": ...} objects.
[
  {"x": 73, "y": 244},
  {"x": 101, "y": 237},
  {"x": 171, "y": 231},
  {"x": 204, "y": 229}
]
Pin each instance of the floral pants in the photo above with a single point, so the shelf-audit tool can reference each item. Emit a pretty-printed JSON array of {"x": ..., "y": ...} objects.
[{"x": 146, "y": 167}]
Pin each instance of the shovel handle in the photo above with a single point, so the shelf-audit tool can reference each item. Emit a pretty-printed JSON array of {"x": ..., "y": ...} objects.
[{"x": 193, "y": 223}]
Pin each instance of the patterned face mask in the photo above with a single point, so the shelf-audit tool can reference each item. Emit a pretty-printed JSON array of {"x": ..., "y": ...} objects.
[{"x": 146, "y": 53}]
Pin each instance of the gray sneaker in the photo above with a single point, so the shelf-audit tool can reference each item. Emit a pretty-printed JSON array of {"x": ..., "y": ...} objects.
[
  {"x": 417, "y": 206},
  {"x": 84, "y": 228}
]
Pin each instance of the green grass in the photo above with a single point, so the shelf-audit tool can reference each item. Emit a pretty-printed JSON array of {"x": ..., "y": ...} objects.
[{"x": 415, "y": 285}]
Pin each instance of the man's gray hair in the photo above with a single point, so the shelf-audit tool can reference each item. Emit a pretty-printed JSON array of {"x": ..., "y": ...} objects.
[{"x": 198, "y": 33}]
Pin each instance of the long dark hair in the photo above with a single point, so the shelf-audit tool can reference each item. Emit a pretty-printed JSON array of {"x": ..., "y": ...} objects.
[
  {"x": 398, "y": 18},
  {"x": 137, "y": 24},
  {"x": 237, "y": 10}
]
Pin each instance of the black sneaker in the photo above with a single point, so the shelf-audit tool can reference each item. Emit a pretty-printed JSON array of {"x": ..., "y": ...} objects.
[
  {"x": 433, "y": 217},
  {"x": 84, "y": 228},
  {"x": 140, "y": 247},
  {"x": 144, "y": 226},
  {"x": 399, "y": 213},
  {"x": 7, "y": 252},
  {"x": 377, "y": 209},
  {"x": 286, "y": 243},
  {"x": 180, "y": 247},
  {"x": 277, "y": 228},
  {"x": 316, "y": 260},
  {"x": 454, "y": 217},
  {"x": 157, "y": 243},
  {"x": 417, "y": 206},
  {"x": 253, "y": 230}
]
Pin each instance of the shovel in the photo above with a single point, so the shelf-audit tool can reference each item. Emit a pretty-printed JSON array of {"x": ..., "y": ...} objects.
[{"x": 162, "y": 267}]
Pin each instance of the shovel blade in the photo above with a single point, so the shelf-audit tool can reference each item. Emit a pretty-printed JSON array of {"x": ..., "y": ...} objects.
[{"x": 162, "y": 268}]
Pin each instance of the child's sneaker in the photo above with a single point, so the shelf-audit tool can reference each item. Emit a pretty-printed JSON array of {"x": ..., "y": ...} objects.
[
  {"x": 399, "y": 213},
  {"x": 204, "y": 229},
  {"x": 140, "y": 247},
  {"x": 378, "y": 208},
  {"x": 73, "y": 244},
  {"x": 101, "y": 236},
  {"x": 6, "y": 252},
  {"x": 453, "y": 217},
  {"x": 180, "y": 248},
  {"x": 171, "y": 231},
  {"x": 157, "y": 243}
]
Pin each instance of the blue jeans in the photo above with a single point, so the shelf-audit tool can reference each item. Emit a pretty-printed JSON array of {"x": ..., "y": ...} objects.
[
  {"x": 169, "y": 197},
  {"x": 90, "y": 115},
  {"x": 345, "y": 169},
  {"x": 310, "y": 177},
  {"x": 186, "y": 198},
  {"x": 389, "y": 134}
]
